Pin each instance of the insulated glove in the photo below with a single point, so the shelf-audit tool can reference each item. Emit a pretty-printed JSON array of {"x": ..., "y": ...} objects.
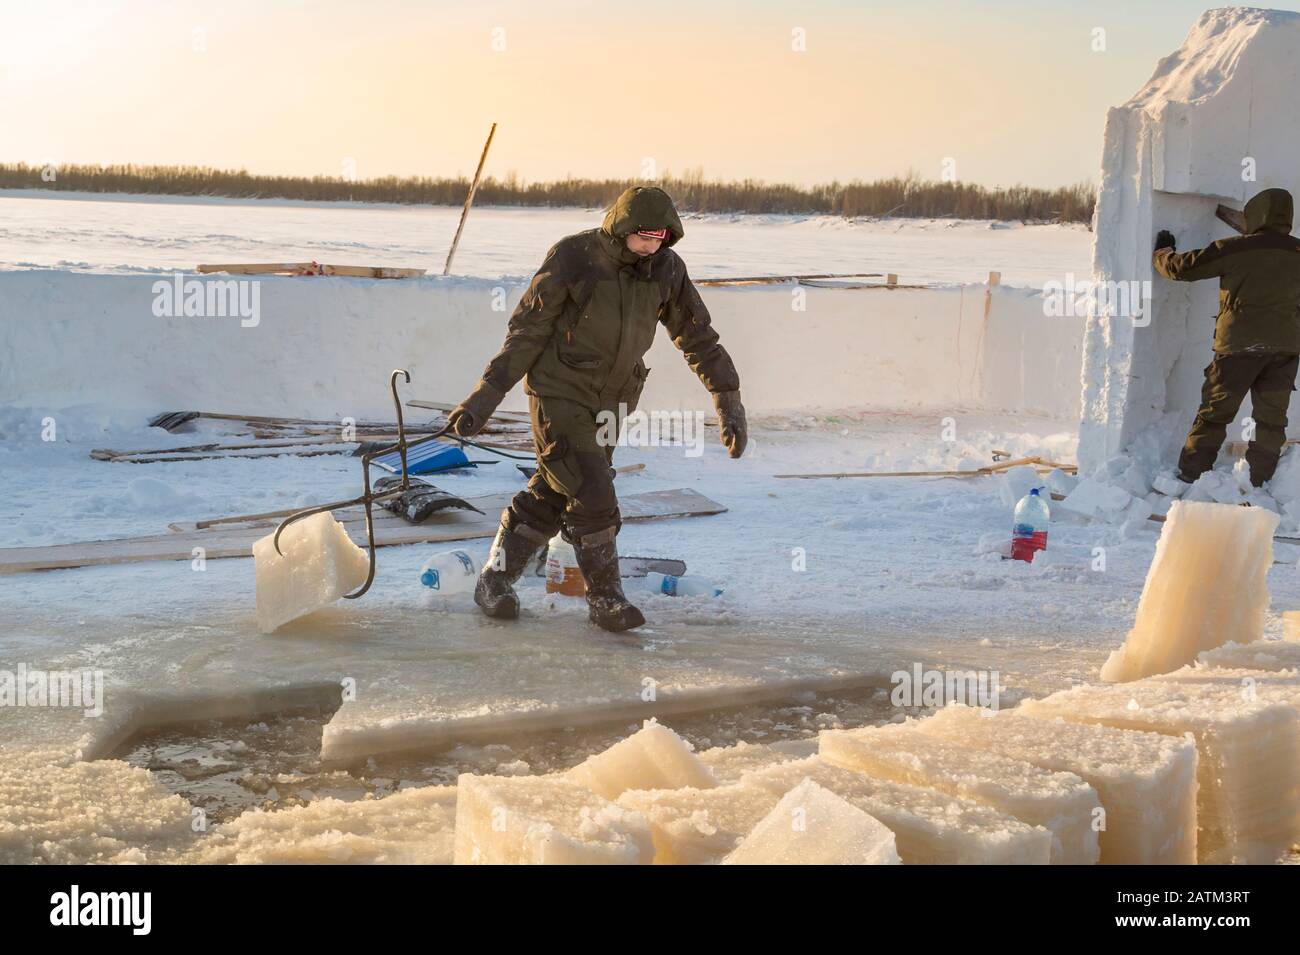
[
  {"x": 470, "y": 416},
  {"x": 731, "y": 421},
  {"x": 1165, "y": 240}
]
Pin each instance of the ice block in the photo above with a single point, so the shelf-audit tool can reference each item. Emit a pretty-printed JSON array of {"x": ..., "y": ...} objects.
[
  {"x": 813, "y": 826},
  {"x": 699, "y": 826},
  {"x": 544, "y": 820},
  {"x": 1248, "y": 754},
  {"x": 930, "y": 827},
  {"x": 320, "y": 565},
  {"x": 1058, "y": 801},
  {"x": 1206, "y": 586},
  {"x": 1146, "y": 781},
  {"x": 654, "y": 757}
]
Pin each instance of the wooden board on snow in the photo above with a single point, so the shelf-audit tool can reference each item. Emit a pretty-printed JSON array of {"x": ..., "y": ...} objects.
[
  {"x": 311, "y": 268},
  {"x": 236, "y": 540}
]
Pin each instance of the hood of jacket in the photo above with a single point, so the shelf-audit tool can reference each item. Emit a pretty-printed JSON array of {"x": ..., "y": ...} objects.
[
  {"x": 1270, "y": 210},
  {"x": 643, "y": 207}
]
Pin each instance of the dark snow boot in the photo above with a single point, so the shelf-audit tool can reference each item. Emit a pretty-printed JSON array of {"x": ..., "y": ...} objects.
[
  {"x": 598, "y": 559},
  {"x": 511, "y": 551}
]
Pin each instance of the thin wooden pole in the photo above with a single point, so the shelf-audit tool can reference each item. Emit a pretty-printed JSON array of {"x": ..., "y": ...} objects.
[{"x": 469, "y": 200}]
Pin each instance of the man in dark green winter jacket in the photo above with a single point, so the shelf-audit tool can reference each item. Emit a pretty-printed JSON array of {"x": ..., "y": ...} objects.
[
  {"x": 1256, "y": 334},
  {"x": 578, "y": 338}
]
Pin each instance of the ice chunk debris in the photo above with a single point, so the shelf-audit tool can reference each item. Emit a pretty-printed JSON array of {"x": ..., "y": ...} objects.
[
  {"x": 699, "y": 826},
  {"x": 1261, "y": 655},
  {"x": 320, "y": 565},
  {"x": 654, "y": 757},
  {"x": 813, "y": 826},
  {"x": 544, "y": 820},
  {"x": 730, "y": 763}
]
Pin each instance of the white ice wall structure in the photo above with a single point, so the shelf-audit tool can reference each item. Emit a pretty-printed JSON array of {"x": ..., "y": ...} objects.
[
  {"x": 1220, "y": 109},
  {"x": 324, "y": 346}
]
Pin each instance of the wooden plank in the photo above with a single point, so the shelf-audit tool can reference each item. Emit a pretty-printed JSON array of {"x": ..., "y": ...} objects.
[
  {"x": 310, "y": 269},
  {"x": 781, "y": 279},
  {"x": 469, "y": 200},
  {"x": 236, "y": 540},
  {"x": 1234, "y": 219},
  {"x": 1036, "y": 462}
]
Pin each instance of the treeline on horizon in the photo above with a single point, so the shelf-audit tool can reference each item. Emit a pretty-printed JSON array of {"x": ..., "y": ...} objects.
[{"x": 907, "y": 196}]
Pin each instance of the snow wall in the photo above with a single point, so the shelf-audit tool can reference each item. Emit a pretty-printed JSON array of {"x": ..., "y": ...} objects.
[
  {"x": 1217, "y": 111},
  {"x": 324, "y": 347}
]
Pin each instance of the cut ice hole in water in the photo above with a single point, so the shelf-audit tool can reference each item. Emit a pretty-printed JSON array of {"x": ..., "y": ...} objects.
[{"x": 272, "y": 761}]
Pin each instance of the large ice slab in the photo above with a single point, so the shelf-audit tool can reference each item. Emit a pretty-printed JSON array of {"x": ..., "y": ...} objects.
[
  {"x": 930, "y": 827},
  {"x": 319, "y": 565},
  {"x": 1060, "y": 802},
  {"x": 654, "y": 757},
  {"x": 544, "y": 820},
  {"x": 813, "y": 826},
  {"x": 1146, "y": 781},
  {"x": 1248, "y": 754},
  {"x": 1207, "y": 586},
  {"x": 699, "y": 826}
]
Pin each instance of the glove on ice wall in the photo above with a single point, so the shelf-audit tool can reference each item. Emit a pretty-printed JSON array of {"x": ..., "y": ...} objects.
[{"x": 1172, "y": 153}]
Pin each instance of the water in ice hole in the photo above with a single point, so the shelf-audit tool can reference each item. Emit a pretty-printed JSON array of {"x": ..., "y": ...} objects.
[{"x": 227, "y": 767}]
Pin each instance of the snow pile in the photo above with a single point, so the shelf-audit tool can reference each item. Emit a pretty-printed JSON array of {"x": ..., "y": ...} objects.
[
  {"x": 1218, "y": 108},
  {"x": 1208, "y": 585}
]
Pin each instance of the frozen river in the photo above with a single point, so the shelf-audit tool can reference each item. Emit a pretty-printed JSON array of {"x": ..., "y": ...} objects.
[{"x": 126, "y": 233}]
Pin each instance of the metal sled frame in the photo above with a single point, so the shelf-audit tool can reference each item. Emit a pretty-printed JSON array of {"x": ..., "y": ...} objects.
[{"x": 369, "y": 497}]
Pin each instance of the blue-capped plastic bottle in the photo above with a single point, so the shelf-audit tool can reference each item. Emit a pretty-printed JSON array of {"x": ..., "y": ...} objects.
[
  {"x": 1029, "y": 527},
  {"x": 449, "y": 572},
  {"x": 682, "y": 586}
]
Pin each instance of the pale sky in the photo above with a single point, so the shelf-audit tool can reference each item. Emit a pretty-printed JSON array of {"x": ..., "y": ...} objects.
[{"x": 1012, "y": 91}]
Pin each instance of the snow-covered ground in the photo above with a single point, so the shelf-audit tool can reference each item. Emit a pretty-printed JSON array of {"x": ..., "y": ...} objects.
[
  {"x": 896, "y": 573},
  {"x": 126, "y": 233}
]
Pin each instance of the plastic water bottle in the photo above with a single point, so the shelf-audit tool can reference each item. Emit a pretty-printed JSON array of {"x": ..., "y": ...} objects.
[
  {"x": 449, "y": 572},
  {"x": 563, "y": 575},
  {"x": 682, "y": 586},
  {"x": 1029, "y": 527}
]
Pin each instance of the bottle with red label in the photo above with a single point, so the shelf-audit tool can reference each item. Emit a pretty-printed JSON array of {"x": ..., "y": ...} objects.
[{"x": 1029, "y": 527}]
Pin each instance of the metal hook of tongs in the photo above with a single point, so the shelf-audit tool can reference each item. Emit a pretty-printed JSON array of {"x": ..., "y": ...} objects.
[{"x": 369, "y": 497}]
